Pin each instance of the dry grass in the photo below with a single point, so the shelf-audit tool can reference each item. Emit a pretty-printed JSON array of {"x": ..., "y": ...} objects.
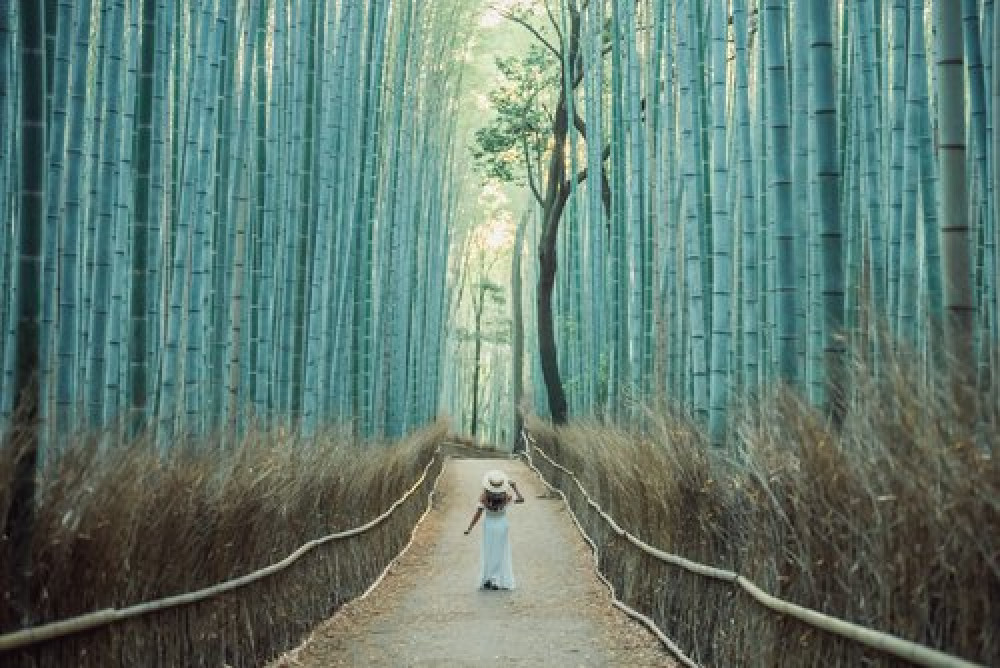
[
  {"x": 118, "y": 526},
  {"x": 893, "y": 523}
]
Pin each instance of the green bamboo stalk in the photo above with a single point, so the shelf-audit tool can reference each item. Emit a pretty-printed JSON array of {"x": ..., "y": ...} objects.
[
  {"x": 7, "y": 166},
  {"x": 828, "y": 179},
  {"x": 978, "y": 133},
  {"x": 138, "y": 384},
  {"x": 99, "y": 382},
  {"x": 635, "y": 204},
  {"x": 226, "y": 223},
  {"x": 896, "y": 118},
  {"x": 338, "y": 320},
  {"x": 67, "y": 362},
  {"x": 956, "y": 261},
  {"x": 786, "y": 294},
  {"x": 617, "y": 265},
  {"x": 722, "y": 229},
  {"x": 259, "y": 316},
  {"x": 916, "y": 98},
  {"x": 159, "y": 192},
  {"x": 59, "y": 48},
  {"x": 993, "y": 232},
  {"x": 116, "y": 400},
  {"x": 310, "y": 41},
  {"x": 804, "y": 192},
  {"x": 26, "y": 389},
  {"x": 694, "y": 224},
  {"x": 317, "y": 354},
  {"x": 398, "y": 288},
  {"x": 593, "y": 63},
  {"x": 872, "y": 160},
  {"x": 748, "y": 207}
]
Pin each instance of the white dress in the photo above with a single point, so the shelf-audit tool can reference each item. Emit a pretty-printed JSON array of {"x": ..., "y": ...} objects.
[{"x": 495, "y": 562}]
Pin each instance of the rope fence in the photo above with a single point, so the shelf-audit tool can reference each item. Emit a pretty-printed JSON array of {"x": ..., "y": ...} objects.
[
  {"x": 47, "y": 632},
  {"x": 874, "y": 639},
  {"x": 878, "y": 640},
  {"x": 293, "y": 655},
  {"x": 615, "y": 601}
]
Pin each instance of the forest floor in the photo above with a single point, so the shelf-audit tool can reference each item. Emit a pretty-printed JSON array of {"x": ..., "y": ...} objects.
[{"x": 429, "y": 611}]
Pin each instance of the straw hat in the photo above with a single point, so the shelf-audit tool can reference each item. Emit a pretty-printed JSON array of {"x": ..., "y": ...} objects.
[{"x": 495, "y": 481}]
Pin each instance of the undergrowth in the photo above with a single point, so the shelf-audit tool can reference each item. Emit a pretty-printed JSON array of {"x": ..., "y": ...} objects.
[
  {"x": 891, "y": 522},
  {"x": 119, "y": 525}
]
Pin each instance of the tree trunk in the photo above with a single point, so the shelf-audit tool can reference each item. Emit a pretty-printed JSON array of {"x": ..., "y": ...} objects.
[
  {"x": 477, "y": 306},
  {"x": 557, "y": 191},
  {"x": 517, "y": 335},
  {"x": 546, "y": 335}
]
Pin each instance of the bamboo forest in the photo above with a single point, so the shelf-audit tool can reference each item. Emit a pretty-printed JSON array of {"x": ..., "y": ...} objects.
[{"x": 729, "y": 266}]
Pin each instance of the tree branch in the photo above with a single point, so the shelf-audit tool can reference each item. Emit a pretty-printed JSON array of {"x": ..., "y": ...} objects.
[
  {"x": 510, "y": 16},
  {"x": 579, "y": 124},
  {"x": 555, "y": 24}
]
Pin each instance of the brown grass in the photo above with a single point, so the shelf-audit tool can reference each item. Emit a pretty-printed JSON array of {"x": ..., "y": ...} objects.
[
  {"x": 892, "y": 523},
  {"x": 119, "y": 525}
]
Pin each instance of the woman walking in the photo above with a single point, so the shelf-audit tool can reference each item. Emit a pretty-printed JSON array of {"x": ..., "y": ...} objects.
[{"x": 496, "y": 571}]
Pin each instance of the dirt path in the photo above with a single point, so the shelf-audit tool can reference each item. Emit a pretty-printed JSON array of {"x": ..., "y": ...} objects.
[{"x": 429, "y": 612}]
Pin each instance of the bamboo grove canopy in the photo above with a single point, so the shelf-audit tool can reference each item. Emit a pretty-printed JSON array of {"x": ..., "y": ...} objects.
[
  {"x": 224, "y": 211},
  {"x": 219, "y": 211}
]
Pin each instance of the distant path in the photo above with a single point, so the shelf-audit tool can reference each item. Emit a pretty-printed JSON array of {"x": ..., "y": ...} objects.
[{"x": 429, "y": 612}]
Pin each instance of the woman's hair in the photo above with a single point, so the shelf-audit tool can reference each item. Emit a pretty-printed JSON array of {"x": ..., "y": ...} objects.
[{"x": 494, "y": 500}]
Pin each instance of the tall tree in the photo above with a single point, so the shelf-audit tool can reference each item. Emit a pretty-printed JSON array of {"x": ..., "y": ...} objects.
[
  {"x": 484, "y": 292},
  {"x": 519, "y": 128},
  {"x": 553, "y": 197}
]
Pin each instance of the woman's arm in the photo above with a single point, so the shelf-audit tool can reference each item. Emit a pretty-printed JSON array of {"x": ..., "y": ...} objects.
[{"x": 475, "y": 518}]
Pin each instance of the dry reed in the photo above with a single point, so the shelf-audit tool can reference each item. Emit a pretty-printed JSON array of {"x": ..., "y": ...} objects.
[
  {"x": 891, "y": 522},
  {"x": 117, "y": 526}
]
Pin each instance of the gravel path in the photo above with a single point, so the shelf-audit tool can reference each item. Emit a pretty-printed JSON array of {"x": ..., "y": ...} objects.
[{"x": 428, "y": 610}]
